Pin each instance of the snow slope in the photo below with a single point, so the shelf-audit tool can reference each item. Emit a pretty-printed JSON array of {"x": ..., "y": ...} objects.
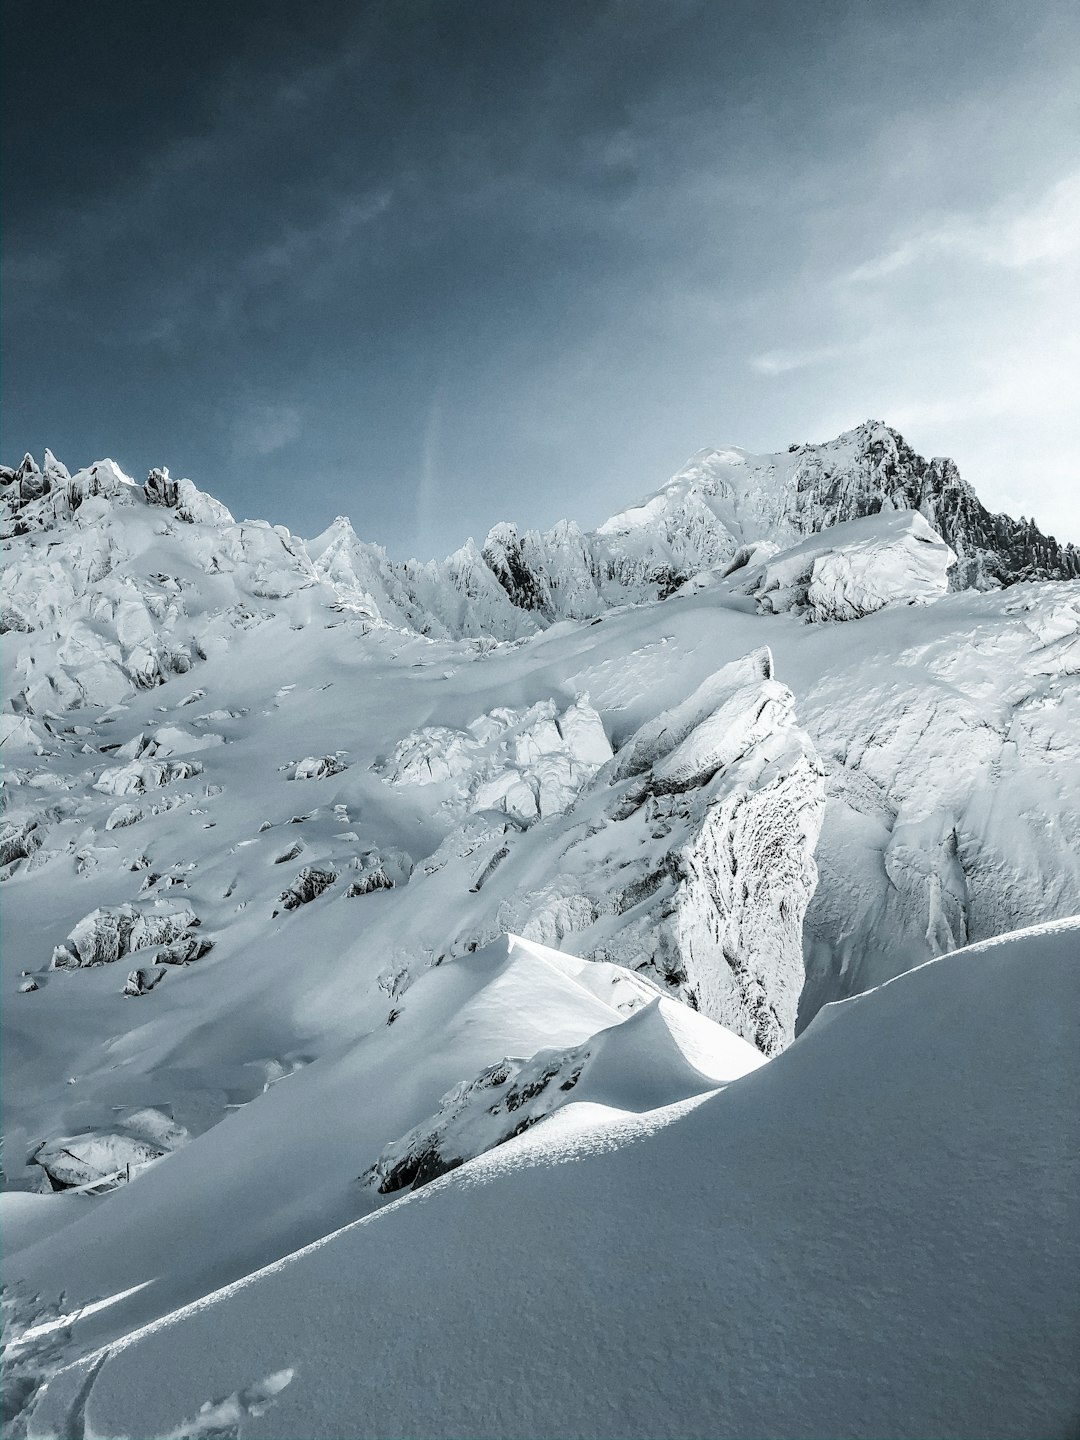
[
  {"x": 874, "y": 1234},
  {"x": 272, "y": 807}
]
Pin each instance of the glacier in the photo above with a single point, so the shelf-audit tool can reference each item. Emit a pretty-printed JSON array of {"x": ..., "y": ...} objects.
[{"x": 327, "y": 878}]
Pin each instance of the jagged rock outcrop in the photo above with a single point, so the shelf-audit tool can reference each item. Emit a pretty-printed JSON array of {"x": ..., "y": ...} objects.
[
  {"x": 725, "y": 499},
  {"x": 108, "y": 933},
  {"x": 503, "y": 1100},
  {"x": 19, "y": 839},
  {"x": 309, "y": 884},
  {"x": 382, "y": 869},
  {"x": 95, "y": 621}
]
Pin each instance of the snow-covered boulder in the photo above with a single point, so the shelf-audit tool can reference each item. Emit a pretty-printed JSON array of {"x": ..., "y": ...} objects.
[
  {"x": 138, "y": 777},
  {"x": 104, "y": 1158},
  {"x": 853, "y": 569},
  {"x": 108, "y": 933},
  {"x": 530, "y": 764},
  {"x": 308, "y": 885},
  {"x": 317, "y": 767},
  {"x": 143, "y": 980}
]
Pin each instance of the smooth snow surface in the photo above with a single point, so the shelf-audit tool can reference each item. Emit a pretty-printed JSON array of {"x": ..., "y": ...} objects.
[{"x": 875, "y": 1234}]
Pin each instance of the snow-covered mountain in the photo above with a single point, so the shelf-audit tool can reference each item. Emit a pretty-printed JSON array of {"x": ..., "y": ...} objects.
[
  {"x": 785, "y": 731},
  {"x": 720, "y": 502}
]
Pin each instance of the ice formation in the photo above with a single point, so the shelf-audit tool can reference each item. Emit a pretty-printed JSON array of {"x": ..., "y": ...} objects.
[{"x": 701, "y": 818}]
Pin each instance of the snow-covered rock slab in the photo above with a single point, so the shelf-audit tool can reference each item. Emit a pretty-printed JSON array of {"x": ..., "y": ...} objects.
[
  {"x": 528, "y": 763},
  {"x": 853, "y": 569},
  {"x": 108, "y": 933}
]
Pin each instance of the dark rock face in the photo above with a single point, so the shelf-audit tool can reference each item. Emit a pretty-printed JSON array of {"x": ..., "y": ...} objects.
[
  {"x": 308, "y": 886},
  {"x": 501, "y": 1102},
  {"x": 518, "y": 573},
  {"x": 370, "y": 881},
  {"x": 19, "y": 839},
  {"x": 990, "y": 548},
  {"x": 161, "y": 489}
]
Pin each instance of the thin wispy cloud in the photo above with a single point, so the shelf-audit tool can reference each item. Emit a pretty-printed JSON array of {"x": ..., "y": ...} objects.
[
  {"x": 1046, "y": 232},
  {"x": 262, "y": 428},
  {"x": 783, "y": 362}
]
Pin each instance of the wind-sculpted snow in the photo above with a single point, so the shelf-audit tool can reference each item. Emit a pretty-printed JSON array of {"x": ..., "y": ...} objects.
[
  {"x": 852, "y": 569},
  {"x": 659, "y": 1054},
  {"x": 872, "y": 1235}
]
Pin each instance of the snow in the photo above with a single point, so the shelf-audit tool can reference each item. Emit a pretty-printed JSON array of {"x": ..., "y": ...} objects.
[
  {"x": 803, "y": 1251},
  {"x": 854, "y": 568},
  {"x": 694, "y": 823}
]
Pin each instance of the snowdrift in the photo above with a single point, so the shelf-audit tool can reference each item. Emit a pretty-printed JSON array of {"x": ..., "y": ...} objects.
[{"x": 874, "y": 1234}]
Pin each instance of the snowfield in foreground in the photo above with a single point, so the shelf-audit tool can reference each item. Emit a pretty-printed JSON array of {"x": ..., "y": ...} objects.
[{"x": 873, "y": 1234}]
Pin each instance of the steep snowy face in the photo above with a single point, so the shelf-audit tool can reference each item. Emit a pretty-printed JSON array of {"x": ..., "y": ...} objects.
[
  {"x": 689, "y": 857},
  {"x": 729, "y": 498},
  {"x": 785, "y": 496},
  {"x": 952, "y": 758}
]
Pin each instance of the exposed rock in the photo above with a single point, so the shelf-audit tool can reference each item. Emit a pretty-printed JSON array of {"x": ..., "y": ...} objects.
[
  {"x": 122, "y": 816},
  {"x": 381, "y": 869},
  {"x": 317, "y": 767},
  {"x": 308, "y": 886},
  {"x": 143, "y": 980},
  {"x": 19, "y": 839},
  {"x": 477, "y": 1115}
]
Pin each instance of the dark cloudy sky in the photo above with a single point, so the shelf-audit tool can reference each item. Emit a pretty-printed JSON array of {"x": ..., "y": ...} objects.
[{"x": 431, "y": 263}]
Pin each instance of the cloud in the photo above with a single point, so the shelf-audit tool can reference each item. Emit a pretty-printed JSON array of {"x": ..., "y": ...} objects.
[
  {"x": 262, "y": 428},
  {"x": 781, "y": 362},
  {"x": 301, "y": 244},
  {"x": 1048, "y": 231}
]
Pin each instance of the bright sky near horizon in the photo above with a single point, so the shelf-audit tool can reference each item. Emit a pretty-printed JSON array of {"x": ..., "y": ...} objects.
[{"x": 433, "y": 263}]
